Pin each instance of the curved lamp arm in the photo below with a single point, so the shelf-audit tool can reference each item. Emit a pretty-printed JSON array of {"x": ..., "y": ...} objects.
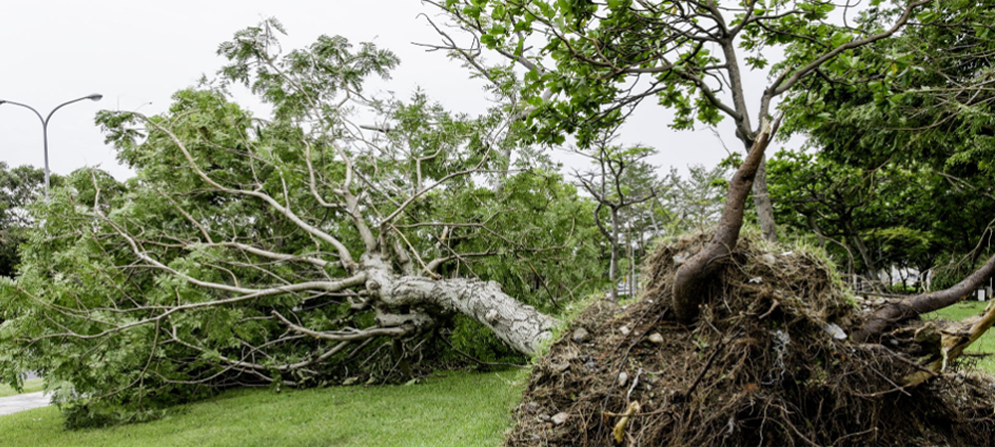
[
  {"x": 2, "y": 102},
  {"x": 93, "y": 97},
  {"x": 44, "y": 124}
]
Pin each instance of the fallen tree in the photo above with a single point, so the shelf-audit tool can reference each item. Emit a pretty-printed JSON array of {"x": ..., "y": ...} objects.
[
  {"x": 727, "y": 348},
  {"x": 738, "y": 342},
  {"x": 292, "y": 251},
  {"x": 17, "y": 187},
  {"x": 590, "y": 64}
]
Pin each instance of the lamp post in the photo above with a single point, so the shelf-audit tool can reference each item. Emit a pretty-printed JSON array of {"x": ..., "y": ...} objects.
[{"x": 44, "y": 125}]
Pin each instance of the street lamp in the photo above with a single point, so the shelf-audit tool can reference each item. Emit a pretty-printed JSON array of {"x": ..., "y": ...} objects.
[{"x": 44, "y": 124}]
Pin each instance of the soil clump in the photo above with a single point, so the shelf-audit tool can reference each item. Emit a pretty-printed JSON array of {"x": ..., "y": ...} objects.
[{"x": 767, "y": 363}]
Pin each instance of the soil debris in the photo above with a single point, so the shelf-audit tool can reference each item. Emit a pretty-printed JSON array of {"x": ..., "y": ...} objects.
[
  {"x": 581, "y": 335},
  {"x": 765, "y": 364}
]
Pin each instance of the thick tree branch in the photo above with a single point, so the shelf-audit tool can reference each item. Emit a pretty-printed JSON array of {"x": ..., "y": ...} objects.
[
  {"x": 344, "y": 254},
  {"x": 914, "y": 306},
  {"x": 692, "y": 276},
  {"x": 785, "y": 81}
]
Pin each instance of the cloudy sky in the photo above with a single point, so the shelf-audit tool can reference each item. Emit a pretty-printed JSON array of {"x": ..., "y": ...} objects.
[{"x": 137, "y": 53}]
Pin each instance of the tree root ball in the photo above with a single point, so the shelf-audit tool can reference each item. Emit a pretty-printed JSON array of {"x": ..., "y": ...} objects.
[{"x": 758, "y": 367}]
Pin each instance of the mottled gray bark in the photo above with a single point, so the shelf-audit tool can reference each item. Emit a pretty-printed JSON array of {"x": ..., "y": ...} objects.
[
  {"x": 519, "y": 325},
  {"x": 765, "y": 208}
]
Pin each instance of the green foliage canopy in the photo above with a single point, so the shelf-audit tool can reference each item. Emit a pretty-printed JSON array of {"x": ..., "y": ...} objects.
[
  {"x": 905, "y": 150},
  {"x": 238, "y": 254},
  {"x": 590, "y": 63},
  {"x": 19, "y": 187}
]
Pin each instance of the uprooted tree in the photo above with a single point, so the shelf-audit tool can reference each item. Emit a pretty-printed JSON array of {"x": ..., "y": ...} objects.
[
  {"x": 334, "y": 241},
  {"x": 589, "y": 64}
]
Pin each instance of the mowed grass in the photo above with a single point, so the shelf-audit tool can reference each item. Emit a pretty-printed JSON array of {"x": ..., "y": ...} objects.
[
  {"x": 984, "y": 345},
  {"x": 30, "y": 386},
  {"x": 460, "y": 409}
]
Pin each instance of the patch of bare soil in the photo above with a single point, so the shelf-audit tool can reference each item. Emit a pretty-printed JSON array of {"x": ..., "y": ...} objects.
[{"x": 765, "y": 365}]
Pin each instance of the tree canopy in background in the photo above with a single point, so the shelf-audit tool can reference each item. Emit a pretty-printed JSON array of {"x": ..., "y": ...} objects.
[
  {"x": 18, "y": 188},
  {"x": 870, "y": 219},
  {"x": 905, "y": 135},
  {"x": 591, "y": 64}
]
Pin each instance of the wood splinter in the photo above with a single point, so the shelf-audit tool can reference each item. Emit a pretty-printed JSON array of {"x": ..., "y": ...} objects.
[{"x": 619, "y": 430}]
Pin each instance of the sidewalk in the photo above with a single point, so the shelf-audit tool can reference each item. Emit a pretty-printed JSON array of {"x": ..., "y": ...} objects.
[{"x": 21, "y": 402}]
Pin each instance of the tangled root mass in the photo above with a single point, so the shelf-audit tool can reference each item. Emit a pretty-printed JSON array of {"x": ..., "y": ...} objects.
[{"x": 765, "y": 364}]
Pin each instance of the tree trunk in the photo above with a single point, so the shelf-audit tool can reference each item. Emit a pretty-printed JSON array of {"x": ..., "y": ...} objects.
[
  {"x": 693, "y": 275},
  {"x": 953, "y": 342},
  {"x": 520, "y": 326},
  {"x": 765, "y": 208},
  {"x": 613, "y": 265},
  {"x": 865, "y": 254},
  {"x": 914, "y": 306}
]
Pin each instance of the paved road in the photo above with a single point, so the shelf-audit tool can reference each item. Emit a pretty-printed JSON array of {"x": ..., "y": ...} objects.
[{"x": 22, "y": 402}]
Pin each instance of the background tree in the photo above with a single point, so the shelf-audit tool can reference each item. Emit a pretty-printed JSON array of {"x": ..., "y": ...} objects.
[
  {"x": 19, "y": 187},
  {"x": 289, "y": 251},
  {"x": 883, "y": 216},
  {"x": 591, "y": 63},
  {"x": 925, "y": 102},
  {"x": 619, "y": 180},
  {"x": 695, "y": 201}
]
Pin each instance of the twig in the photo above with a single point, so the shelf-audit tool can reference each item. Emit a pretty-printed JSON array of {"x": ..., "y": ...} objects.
[
  {"x": 415, "y": 252},
  {"x": 708, "y": 365},
  {"x": 635, "y": 382},
  {"x": 478, "y": 361},
  {"x": 544, "y": 286}
]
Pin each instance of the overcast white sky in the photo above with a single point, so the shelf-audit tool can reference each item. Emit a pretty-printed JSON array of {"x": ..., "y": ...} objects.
[{"x": 140, "y": 52}]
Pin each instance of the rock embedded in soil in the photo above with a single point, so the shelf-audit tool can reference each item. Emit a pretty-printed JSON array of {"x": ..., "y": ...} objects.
[
  {"x": 560, "y": 418},
  {"x": 656, "y": 338},
  {"x": 581, "y": 335},
  {"x": 559, "y": 367}
]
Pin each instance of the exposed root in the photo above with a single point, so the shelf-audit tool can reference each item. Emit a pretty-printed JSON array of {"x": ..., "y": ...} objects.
[{"x": 760, "y": 367}]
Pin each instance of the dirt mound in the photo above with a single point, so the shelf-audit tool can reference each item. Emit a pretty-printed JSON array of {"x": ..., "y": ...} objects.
[{"x": 765, "y": 364}]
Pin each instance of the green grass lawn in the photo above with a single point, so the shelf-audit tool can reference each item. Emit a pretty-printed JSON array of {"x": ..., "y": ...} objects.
[
  {"x": 29, "y": 387},
  {"x": 460, "y": 409},
  {"x": 985, "y": 344}
]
